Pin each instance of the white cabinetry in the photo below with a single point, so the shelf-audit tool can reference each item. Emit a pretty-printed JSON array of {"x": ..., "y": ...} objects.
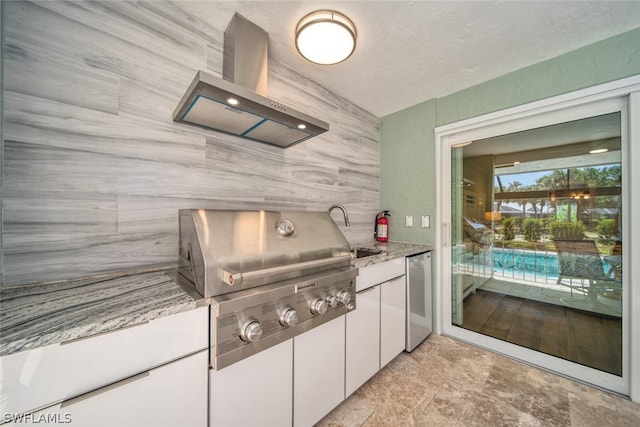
[
  {"x": 171, "y": 395},
  {"x": 392, "y": 319},
  {"x": 318, "y": 372},
  {"x": 256, "y": 391},
  {"x": 375, "y": 331},
  {"x": 363, "y": 341},
  {"x": 71, "y": 372}
]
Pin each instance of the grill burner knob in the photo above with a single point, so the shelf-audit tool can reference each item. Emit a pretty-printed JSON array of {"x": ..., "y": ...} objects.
[
  {"x": 344, "y": 297},
  {"x": 289, "y": 317},
  {"x": 251, "y": 331},
  {"x": 332, "y": 300},
  {"x": 319, "y": 306}
]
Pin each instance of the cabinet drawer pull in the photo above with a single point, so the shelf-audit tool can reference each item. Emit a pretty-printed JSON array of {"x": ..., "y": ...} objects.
[{"x": 104, "y": 389}]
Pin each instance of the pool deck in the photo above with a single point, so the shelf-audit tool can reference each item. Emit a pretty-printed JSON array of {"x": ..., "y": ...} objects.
[{"x": 550, "y": 293}]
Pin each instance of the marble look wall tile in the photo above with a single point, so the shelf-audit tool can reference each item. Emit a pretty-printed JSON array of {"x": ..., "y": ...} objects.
[
  {"x": 233, "y": 154},
  {"x": 28, "y": 167},
  {"x": 364, "y": 179},
  {"x": 179, "y": 14},
  {"x": 35, "y": 120},
  {"x": 67, "y": 212},
  {"x": 147, "y": 100},
  {"x": 285, "y": 191},
  {"x": 32, "y": 71},
  {"x": 35, "y": 258},
  {"x": 110, "y": 40},
  {"x": 146, "y": 214},
  {"x": 95, "y": 169}
]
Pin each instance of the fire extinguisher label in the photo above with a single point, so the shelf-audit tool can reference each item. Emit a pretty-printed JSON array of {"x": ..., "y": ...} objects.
[{"x": 382, "y": 231}]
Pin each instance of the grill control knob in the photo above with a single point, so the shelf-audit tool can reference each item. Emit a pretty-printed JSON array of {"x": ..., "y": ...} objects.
[
  {"x": 319, "y": 306},
  {"x": 289, "y": 317},
  {"x": 332, "y": 300},
  {"x": 344, "y": 297},
  {"x": 251, "y": 331}
]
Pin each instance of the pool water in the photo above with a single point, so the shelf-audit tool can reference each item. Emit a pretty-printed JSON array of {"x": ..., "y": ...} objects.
[
  {"x": 523, "y": 262},
  {"x": 526, "y": 263}
]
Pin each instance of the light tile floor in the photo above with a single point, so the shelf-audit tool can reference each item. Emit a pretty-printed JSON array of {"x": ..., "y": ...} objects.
[{"x": 445, "y": 382}]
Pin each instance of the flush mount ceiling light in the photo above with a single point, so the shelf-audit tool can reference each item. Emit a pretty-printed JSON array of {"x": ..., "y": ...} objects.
[{"x": 325, "y": 37}]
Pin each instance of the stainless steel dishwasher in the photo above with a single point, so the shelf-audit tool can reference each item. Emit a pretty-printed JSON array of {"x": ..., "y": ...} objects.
[{"x": 419, "y": 321}]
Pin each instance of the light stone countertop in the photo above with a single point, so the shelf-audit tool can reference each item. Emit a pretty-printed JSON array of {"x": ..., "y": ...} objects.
[
  {"x": 390, "y": 250},
  {"x": 33, "y": 316}
]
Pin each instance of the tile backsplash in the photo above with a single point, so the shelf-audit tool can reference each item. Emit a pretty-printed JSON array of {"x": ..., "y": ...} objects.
[{"x": 95, "y": 169}]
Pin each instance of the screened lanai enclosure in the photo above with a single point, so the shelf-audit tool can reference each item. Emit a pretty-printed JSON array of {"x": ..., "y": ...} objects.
[{"x": 537, "y": 249}]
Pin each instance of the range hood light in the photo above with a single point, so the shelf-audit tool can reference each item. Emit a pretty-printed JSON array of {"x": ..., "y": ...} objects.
[
  {"x": 598, "y": 151},
  {"x": 206, "y": 103},
  {"x": 252, "y": 115},
  {"x": 302, "y": 126}
]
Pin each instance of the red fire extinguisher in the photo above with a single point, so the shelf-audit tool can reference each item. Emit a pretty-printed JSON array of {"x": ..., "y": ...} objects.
[{"x": 381, "y": 232}]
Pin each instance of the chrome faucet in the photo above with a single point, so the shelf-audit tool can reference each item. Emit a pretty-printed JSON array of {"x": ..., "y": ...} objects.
[{"x": 344, "y": 212}]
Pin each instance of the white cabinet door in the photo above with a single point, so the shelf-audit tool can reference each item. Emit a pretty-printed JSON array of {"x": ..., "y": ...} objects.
[
  {"x": 375, "y": 274},
  {"x": 363, "y": 340},
  {"x": 318, "y": 372},
  {"x": 171, "y": 395},
  {"x": 392, "y": 319},
  {"x": 256, "y": 391},
  {"x": 42, "y": 376}
]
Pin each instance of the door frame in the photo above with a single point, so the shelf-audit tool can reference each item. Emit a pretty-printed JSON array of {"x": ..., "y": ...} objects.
[{"x": 623, "y": 94}]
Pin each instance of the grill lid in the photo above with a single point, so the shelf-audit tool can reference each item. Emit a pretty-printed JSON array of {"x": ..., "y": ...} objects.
[{"x": 223, "y": 251}]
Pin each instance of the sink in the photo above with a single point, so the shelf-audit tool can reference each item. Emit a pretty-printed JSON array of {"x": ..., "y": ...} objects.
[{"x": 365, "y": 252}]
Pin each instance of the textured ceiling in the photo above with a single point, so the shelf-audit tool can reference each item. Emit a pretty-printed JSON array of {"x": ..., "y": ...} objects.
[{"x": 411, "y": 51}]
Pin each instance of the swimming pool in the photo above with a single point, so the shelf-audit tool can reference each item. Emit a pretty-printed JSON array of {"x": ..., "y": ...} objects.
[{"x": 522, "y": 263}]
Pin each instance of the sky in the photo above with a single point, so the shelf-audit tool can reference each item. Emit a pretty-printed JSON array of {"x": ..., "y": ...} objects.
[{"x": 525, "y": 179}]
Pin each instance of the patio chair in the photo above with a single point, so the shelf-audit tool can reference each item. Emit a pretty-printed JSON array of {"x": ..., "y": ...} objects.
[{"x": 579, "y": 259}]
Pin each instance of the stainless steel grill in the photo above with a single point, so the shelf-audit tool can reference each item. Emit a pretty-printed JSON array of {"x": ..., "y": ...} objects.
[{"x": 269, "y": 276}]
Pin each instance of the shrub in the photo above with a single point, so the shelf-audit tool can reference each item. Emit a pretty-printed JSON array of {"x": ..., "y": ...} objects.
[
  {"x": 508, "y": 228},
  {"x": 561, "y": 230},
  {"x": 606, "y": 228},
  {"x": 532, "y": 229}
]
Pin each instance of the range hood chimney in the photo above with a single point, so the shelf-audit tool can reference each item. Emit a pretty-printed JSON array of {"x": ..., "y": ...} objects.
[{"x": 208, "y": 100}]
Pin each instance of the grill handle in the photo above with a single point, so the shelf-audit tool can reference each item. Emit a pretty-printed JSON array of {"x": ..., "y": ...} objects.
[{"x": 235, "y": 278}]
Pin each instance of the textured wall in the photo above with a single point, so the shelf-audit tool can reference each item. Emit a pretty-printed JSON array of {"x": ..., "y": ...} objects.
[
  {"x": 407, "y": 171},
  {"x": 608, "y": 60},
  {"x": 407, "y": 139},
  {"x": 94, "y": 167}
]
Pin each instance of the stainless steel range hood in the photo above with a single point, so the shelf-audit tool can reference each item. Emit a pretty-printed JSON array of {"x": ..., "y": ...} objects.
[{"x": 207, "y": 100}]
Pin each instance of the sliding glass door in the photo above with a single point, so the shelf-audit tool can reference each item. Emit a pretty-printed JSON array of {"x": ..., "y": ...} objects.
[
  {"x": 535, "y": 226},
  {"x": 538, "y": 243}
]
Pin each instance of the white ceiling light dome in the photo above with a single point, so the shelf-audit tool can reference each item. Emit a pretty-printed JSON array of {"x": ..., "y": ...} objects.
[{"x": 325, "y": 37}]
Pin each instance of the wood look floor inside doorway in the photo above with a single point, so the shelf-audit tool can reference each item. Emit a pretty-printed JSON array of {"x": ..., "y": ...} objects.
[{"x": 579, "y": 336}]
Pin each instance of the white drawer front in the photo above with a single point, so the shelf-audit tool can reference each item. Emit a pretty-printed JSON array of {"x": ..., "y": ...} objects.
[
  {"x": 34, "y": 378},
  {"x": 374, "y": 274},
  {"x": 172, "y": 395}
]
